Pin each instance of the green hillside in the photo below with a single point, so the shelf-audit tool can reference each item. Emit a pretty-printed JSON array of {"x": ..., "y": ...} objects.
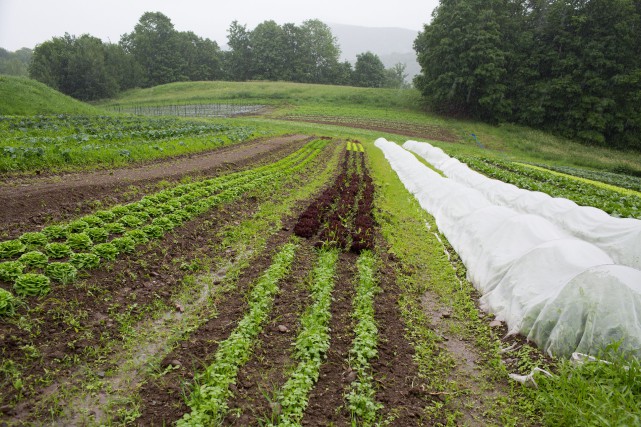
[{"x": 20, "y": 95}]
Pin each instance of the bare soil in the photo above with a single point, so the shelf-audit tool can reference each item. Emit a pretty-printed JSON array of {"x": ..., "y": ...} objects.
[{"x": 28, "y": 203}]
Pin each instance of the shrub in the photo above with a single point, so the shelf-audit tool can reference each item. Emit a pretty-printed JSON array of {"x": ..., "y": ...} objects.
[
  {"x": 32, "y": 284},
  {"x": 125, "y": 245},
  {"x": 79, "y": 241},
  {"x": 7, "y": 303},
  {"x": 84, "y": 261},
  {"x": 97, "y": 234},
  {"x": 34, "y": 259},
  {"x": 57, "y": 250},
  {"x": 11, "y": 248},
  {"x": 63, "y": 272},
  {"x": 106, "y": 251},
  {"x": 9, "y": 270},
  {"x": 54, "y": 232}
]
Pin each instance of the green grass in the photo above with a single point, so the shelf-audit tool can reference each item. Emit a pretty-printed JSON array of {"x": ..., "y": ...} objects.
[
  {"x": 507, "y": 141},
  {"x": 23, "y": 96}
]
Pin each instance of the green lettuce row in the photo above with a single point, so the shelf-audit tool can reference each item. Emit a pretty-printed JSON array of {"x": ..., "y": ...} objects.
[
  {"x": 229, "y": 189},
  {"x": 581, "y": 193},
  {"x": 311, "y": 343},
  {"x": 208, "y": 400},
  {"x": 360, "y": 398}
]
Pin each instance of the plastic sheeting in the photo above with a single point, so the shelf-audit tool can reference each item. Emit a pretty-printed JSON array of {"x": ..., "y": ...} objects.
[
  {"x": 619, "y": 237},
  {"x": 544, "y": 279}
]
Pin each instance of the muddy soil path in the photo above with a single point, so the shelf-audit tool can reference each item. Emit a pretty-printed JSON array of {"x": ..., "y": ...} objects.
[{"x": 28, "y": 203}]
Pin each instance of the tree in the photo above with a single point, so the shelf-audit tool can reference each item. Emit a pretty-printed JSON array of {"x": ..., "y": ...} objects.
[
  {"x": 75, "y": 66},
  {"x": 269, "y": 52},
  {"x": 15, "y": 63},
  {"x": 238, "y": 59},
  {"x": 201, "y": 57},
  {"x": 395, "y": 76},
  {"x": 154, "y": 43},
  {"x": 369, "y": 71},
  {"x": 318, "y": 52},
  {"x": 462, "y": 59}
]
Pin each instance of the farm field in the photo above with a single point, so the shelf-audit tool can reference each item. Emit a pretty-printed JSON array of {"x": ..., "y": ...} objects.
[{"x": 272, "y": 269}]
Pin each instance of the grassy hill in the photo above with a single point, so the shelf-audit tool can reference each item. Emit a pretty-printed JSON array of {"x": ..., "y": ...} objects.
[
  {"x": 20, "y": 95},
  {"x": 397, "y": 111}
]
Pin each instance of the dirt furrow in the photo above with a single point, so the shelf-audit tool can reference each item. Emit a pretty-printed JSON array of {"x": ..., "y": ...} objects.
[
  {"x": 400, "y": 389},
  {"x": 29, "y": 203}
]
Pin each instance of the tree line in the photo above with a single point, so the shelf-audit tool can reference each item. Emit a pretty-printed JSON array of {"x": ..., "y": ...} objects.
[
  {"x": 156, "y": 53},
  {"x": 568, "y": 66}
]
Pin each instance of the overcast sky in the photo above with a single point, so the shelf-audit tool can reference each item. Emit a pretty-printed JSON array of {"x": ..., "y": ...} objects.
[{"x": 25, "y": 23}]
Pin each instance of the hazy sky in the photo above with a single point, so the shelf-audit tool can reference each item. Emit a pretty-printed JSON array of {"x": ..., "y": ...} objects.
[{"x": 25, "y": 23}]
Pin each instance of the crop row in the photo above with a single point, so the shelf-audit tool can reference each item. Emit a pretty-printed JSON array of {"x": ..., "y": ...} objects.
[
  {"x": 342, "y": 215},
  {"x": 86, "y": 242},
  {"x": 208, "y": 400},
  {"x": 41, "y": 141},
  {"x": 616, "y": 179},
  {"x": 582, "y": 193},
  {"x": 361, "y": 402}
]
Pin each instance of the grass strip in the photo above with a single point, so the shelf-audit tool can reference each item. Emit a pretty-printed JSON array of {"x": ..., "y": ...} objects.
[
  {"x": 361, "y": 403},
  {"x": 311, "y": 344},
  {"x": 208, "y": 401}
]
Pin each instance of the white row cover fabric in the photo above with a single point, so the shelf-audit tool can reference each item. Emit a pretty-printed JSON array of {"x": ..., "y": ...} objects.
[
  {"x": 619, "y": 237},
  {"x": 562, "y": 292}
]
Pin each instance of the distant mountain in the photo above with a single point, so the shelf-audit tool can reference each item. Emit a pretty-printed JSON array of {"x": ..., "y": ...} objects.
[{"x": 392, "y": 45}]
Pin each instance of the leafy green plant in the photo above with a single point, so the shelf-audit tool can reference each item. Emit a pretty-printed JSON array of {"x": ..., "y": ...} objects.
[
  {"x": 105, "y": 215},
  {"x": 97, "y": 234},
  {"x": 165, "y": 223},
  {"x": 8, "y": 303},
  {"x": 58, "y": 250},
  {"x": 84, "y": 261},
  {"x": 106, "y": 251},
  {"x": 153, "y": 212},
  {"x": 360, "y": 398},
  {"x": 77, "y": 226},
  {"x": 131, "y": 221},
  {"x": 138, "y": 236},
  {"x": 54, "y": 232},
  {"x": 93, "y": 220},
  {"x": 311, "y": 343},
  {"x": 11, "y": 248},
  {"x": 115, "y": 228},
  {"x": 208, "y": 400},
  {"x": 120, "y": 210},
  {"x": 32, "y": 284},
  {"x": 9, "y": 270},
  {"x": 153, "y": 231},
  {"x": 63, "y": 272},
  {"x": 34, "y": 240},
  {"x": 79, "y": 241},
  {"x": 35, "y": 259},
  {"x": 125, "y": 245}
]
